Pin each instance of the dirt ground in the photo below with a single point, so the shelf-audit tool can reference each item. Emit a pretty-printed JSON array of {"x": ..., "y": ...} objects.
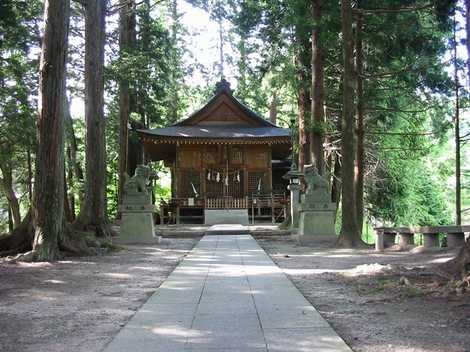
[
  {"x": 79, "y": 304},
  {"x": 379, "y": 302}
]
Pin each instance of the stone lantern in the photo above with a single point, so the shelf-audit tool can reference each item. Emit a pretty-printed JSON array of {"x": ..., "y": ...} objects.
[{"x": 294, "y": 187}]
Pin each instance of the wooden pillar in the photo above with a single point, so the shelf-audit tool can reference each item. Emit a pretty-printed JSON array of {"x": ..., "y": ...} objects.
[
  {"x": 272, "y": 207},
  {"x": 270, "y": 169}
]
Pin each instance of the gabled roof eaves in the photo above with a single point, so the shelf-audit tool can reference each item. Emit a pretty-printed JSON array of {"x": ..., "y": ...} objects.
[{"x": 241, "y": 105}]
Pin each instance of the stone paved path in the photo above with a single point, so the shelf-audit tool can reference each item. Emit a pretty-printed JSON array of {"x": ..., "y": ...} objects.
[{"x": 227, "y": 296}]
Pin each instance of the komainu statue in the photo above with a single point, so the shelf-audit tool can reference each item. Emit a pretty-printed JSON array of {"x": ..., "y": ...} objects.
[
  {"x": 317, "y": 186},
  {"x": 139, "y": 183}
]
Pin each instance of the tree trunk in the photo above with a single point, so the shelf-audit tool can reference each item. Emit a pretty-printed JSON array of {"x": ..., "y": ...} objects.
[
  {"x": 316, "y": 135},
  {"x": 467, "y": 28},
  {"x": 11, "y": 226},
  {"x": 359, "y": 179},
  {"x": 303, "y": 146},
  {"x": 349, "y": 236},
  {"x": 126, "y": 42},
  {"x": 74, "y": 172},
  {"x": 174, "y": 114},
  {"x": 458, "y": 185},
  {"x": 303, "y": 63},
  {"x": 273, "y": 108},
  {"x": 68, "y": 214},
  {"x": 48, "y": 204},
  {"x": 93, "y": 211},
  {"x": 30, "y": 176},
  {"x": 8, "y": 191},
  {"x": 336, "y": 183},
  {"x": 20, "y": 239},
  {"x": 72, "y": 141},
  {"x": 461, "y": 264}
]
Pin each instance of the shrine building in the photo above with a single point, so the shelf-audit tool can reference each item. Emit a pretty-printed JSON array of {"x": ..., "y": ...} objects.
[{"x": 226, "y": 163}]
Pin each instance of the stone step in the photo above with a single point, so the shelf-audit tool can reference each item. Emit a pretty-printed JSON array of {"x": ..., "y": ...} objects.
[
  {"x": 226, "y": 216},
  {"x": 227, "y": 229}
]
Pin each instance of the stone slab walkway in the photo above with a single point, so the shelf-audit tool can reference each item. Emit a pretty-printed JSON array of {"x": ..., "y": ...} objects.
[{"x": 227, "y": 296}]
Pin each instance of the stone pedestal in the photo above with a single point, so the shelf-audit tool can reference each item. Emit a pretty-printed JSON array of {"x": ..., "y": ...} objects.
[
  {"x": 137, "y": 225},
  {"x": 317, "y": 223},
  {"x": 317, "y": 213}
]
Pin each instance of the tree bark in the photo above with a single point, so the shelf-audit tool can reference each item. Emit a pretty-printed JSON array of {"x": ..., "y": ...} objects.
[
  {"x": 20, "y": 239},
  {"x": 303, "y": 146},
  {"x": 174, "y": 113},
  {"x": 467, "y": 28},
  {"x": 30, "y": 176},
  {"x": 303, "y": 63},
  {"x": 48, "y": 205},
  {"x": 74, "y": 172},
  {"x": 72, "y": 141},
  {"x": 93, "y": 211},
  {"x": 126, "y": 42},
  {"x": 316, "y": 135},
  {"x": 8, "y": 191},
  {"x": 359, "y": 179},
  {"x": 336, "y": 183},
  {"x": 273, "y": 108},
  {"x": 349, "y": 236},
  {"x": 68, "y": 214},
  {"x": 458, "y": 185},
  {"x": 461, "y": 264}
]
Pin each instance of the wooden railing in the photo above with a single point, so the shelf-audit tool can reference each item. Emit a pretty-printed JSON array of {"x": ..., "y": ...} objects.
[
  {"x": 386, "y": 236},
  {"x": 226, "y": 203},
  {"x": 260, "y": 207}
]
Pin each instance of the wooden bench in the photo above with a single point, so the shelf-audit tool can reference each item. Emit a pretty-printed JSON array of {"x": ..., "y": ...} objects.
[{"x": 386, "y": 236}]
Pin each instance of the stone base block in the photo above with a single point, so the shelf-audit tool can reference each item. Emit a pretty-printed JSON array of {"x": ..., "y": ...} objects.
[
  {"x": 137, "y": 228},
  {"x": 389, "y": 239},
  {"x": 431, "y": 240},
  {"x": 226, "y": 216},
  {"x": 316, "y": 226},
  {"x": 405, "y": 239},
  {"x": 231, "y": 229},
  {"x": 455, "y": 240}
]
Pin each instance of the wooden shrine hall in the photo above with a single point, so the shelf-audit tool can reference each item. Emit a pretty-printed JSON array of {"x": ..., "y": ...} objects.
[{"x": 226, "y": 163}]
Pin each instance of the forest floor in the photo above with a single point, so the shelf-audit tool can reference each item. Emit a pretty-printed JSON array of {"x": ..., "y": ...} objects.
[
  {"x": 79, "y": 304},
  {"x": 387, "y": 302}
]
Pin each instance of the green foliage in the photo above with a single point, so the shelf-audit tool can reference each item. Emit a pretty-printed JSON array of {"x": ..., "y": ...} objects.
[
  {"x": 407, "y": 193},
  {"x": 407, "y": 90}
]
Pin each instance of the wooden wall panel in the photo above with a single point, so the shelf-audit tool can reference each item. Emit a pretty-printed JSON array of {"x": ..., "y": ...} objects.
[
  {"x": 257, "y": 158},
  {"x": 189, "y": 158}
]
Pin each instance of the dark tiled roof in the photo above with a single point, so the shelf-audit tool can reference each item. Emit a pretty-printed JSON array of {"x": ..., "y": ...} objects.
[{"x": 218, "y": 132}]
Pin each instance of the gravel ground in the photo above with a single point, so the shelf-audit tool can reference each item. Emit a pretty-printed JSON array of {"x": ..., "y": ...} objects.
[
  {"x": 391, "y": 302},
  {"x": 79, "y": 304}
]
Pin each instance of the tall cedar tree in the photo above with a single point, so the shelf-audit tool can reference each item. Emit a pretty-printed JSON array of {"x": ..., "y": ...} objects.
[
  {"x": 349, "y": 236},
  {"x": 316, "y": 135},
  {"x": 126, "y": 42},
  {"x": 360, "y": 162},
  {"x": 93, "y": 212},
  {"x": 48, "y": 203},
  {"x": 461, "y": 264}
]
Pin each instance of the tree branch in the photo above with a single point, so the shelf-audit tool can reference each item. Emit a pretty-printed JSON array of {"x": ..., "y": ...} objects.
[
  {"x": 395, "y": 110},
  {"x": 386, "y": 11}
]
